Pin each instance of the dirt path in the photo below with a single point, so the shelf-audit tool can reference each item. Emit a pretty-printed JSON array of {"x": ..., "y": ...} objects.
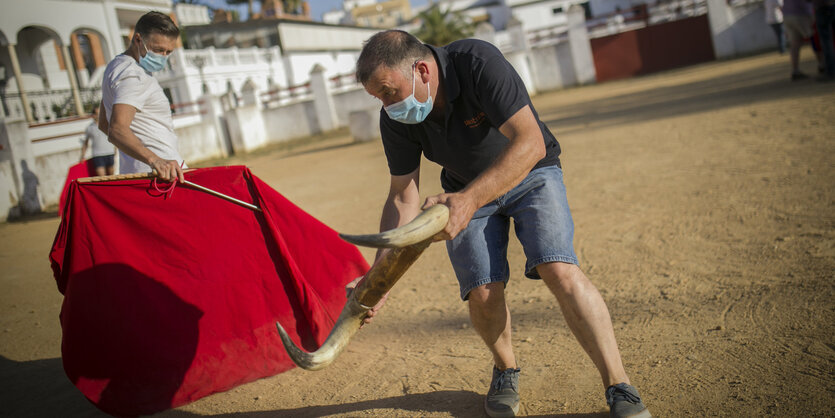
[{"x": 704, "y": 203}]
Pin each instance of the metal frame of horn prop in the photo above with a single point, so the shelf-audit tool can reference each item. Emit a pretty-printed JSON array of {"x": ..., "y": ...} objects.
[{"x": 407, "y": 243}]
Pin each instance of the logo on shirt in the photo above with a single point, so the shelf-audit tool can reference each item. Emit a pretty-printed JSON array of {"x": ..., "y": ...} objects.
[{"x": 476, "y": 121}]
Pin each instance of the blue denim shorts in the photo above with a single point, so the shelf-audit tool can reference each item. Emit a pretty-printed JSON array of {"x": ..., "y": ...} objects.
[
  {"x": 542, "y": 220},
  {"x": 103, "y": 161}
]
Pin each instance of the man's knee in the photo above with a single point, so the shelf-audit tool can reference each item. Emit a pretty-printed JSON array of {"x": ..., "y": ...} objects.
[
  {"x": 487, "y": 297},
  {"x": 562, "y": 277}
]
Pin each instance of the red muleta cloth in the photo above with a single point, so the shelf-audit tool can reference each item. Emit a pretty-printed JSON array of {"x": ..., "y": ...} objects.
[
  {"x": 170, "y": 299},
  {"x": 82, "y": 169}
]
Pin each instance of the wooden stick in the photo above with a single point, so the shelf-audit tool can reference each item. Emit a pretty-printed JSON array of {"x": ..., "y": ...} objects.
[
  {"x": 115, "y": 177},
  {"x": 222, "y": 196},
  {"x": 140, "y": 176}
]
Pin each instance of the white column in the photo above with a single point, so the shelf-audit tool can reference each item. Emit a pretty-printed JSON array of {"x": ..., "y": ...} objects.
[
  {"x": 113, "y": 30},
  {"x": 24, "y": 100},
  {"x": 580, "y": 46},
  {"x": 76, "y": 95},
  {"x": 212, "y": 112},
  {"x": 486, "y": 32},
  {"x": 518, "y": 56},
  {"x": 250, "y": 95},
  {"x": 323, "y": 100},
  {"x": 721, "y": 22}
]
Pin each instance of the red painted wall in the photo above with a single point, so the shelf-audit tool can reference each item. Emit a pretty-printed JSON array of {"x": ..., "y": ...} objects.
[{"x": 653, "y": 48}]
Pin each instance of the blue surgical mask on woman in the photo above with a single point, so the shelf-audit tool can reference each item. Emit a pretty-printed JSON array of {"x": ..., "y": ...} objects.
[
  {"x": 410, "y": 110},
  {"x": 152, "y": 62}
]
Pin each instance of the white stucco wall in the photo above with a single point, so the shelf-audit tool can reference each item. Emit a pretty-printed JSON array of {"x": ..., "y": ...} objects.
[
  {"x": 61, "y": 16},
  {"x": 541, "y": 14},
  {"x": 291, "y": 121},
  {"x": 307, "y": 37},
  {"x": 335, "y": 63},
  {"x": 352, "y": 100}
]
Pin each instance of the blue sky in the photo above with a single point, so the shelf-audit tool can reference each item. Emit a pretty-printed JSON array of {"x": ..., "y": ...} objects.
[{"x": 317, "y": 7}]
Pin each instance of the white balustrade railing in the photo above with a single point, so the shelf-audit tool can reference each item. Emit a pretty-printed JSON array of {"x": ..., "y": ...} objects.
[
  {"x": 278, "y": 96},
  {"x": 676, "y": 10},
  {"x": 547, "y": 36},
  {"x": 47, "y": 105}
]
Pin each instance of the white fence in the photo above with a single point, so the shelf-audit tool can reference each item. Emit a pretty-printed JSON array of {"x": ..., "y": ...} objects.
[
  {"x": 47, "y": 105},
  {"x": 193, "y": 73}
]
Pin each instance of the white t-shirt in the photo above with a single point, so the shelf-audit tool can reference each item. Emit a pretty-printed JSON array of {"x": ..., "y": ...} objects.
[
  {"x": 773, "y": 12},
  {"x": 126, "y": 82},
  {"x": 98, "y": 139}
]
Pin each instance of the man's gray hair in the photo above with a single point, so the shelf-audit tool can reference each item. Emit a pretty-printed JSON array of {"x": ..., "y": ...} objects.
[
  {"x": 391, "y": 49},
  {"x": 156, "y": 22}
]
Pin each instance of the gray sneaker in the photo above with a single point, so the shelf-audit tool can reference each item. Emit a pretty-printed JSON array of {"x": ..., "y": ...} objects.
[
  {"x": 625, "y": 402},
  {"x": 503, "y": 396}
]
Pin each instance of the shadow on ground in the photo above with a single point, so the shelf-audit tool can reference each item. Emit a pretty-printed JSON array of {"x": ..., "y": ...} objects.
[
  {"x": 762, "y": 83},
  {"x": 460, "y": 404},
  {"x": 48, "y": 391},
  {"x": 50, "y": 394}
]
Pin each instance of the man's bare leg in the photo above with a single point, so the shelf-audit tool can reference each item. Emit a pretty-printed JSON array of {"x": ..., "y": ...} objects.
[
  {"x": 587, "y": 317},
  {"x": 491, "y": 320}
]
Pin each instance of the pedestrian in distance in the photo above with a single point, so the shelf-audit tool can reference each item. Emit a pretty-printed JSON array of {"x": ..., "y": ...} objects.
[
  {"x": 101, "y": 150},
  {"x": 774, "y": 19}
]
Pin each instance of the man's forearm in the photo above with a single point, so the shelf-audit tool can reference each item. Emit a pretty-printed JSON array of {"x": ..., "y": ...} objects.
[
  {"x": 396, "y": 212},
  {"x": 526, "y": 148},
  {"x": 126, "y": 141},
  {"x": 507, "y": 171},
  {"x": 104, "y": 126}
]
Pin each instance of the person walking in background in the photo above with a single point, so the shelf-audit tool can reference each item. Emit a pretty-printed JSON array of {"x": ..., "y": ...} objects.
[
  {"x": 824, "y": 19},
  {"x": 774, "y": 18},
  {"x": 102, "y": 151},
  {"x": 797, "y": 21}
]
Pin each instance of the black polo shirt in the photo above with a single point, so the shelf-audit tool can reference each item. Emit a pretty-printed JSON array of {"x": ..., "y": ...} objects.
[{"x": 482, "y": 91}]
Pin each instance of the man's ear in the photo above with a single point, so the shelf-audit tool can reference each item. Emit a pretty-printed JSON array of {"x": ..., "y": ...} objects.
[{"x": 423, "y": 70}]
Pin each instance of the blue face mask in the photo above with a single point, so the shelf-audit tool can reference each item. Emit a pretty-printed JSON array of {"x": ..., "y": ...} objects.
[
  {"x": 152, "y": 62},
  {"x": 409, "y": 110}
]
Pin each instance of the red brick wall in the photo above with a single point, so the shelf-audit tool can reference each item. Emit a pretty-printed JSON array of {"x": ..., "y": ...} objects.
[{"x": 653, "y": 48}]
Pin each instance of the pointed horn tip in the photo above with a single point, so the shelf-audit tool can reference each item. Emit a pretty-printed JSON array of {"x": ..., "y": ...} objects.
[
  {"x": 370, "y": 240},
  {"x": 302, "y": 358},
  {"x": 424, "y": 226}
]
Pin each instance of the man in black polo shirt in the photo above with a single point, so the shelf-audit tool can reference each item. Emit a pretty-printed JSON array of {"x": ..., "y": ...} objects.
[{"x": 464, "y": 107}]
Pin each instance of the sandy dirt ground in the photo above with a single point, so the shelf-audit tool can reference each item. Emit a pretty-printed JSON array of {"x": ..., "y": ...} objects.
[{"x": 704, "y": 204}]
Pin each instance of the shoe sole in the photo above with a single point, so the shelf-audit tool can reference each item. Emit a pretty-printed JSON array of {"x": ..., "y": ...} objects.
[
  {"x": 643, "y": 414},
  {"x": 501, "y": 414}
]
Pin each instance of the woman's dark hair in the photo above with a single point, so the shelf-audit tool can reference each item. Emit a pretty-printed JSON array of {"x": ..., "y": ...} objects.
[
  {"x": 390, "y": 49},
  {"x": 156, "y": 22}
]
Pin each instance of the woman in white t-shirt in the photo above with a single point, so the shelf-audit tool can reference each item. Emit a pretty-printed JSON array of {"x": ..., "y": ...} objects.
[
  {"x": 774, "y": 18},
  {"x": 101, "y": 149}
]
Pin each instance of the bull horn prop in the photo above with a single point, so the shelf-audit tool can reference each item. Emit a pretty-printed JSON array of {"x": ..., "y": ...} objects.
[{"x": 407, "y": 242}]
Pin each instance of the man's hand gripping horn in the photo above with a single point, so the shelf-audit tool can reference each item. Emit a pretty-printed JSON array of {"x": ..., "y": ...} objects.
[{"x": 407, "y": 243}]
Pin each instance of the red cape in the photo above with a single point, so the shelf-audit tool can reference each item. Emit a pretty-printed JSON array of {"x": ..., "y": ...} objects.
[
  {"x": 82, "y": 169},
  {"x": 168, "y": 300}
]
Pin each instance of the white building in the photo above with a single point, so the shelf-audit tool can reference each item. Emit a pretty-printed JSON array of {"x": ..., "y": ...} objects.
[
  {"x": 191, "y": 14},
  {"x": 271, "y": 54},
  {"x": 343, "y": 16},
  {"x": 41, "y": 39}
]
